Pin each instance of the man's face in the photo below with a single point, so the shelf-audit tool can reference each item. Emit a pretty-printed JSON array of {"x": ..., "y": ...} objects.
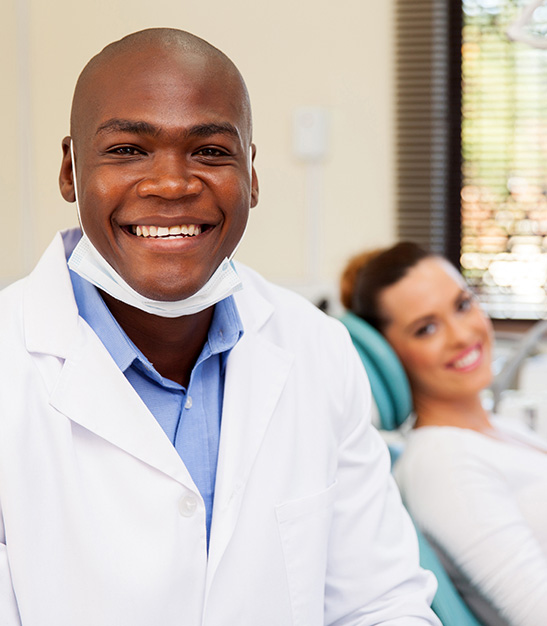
[{"x": 164, "y": 169}]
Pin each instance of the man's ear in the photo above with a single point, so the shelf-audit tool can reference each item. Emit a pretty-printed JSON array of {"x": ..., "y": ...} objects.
[
  {"x": 66, "y": 178},
  {"x": 254, "y": 180}
]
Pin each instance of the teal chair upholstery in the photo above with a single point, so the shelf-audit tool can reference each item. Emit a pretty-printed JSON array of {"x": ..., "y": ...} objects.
[
  {"x": 447, "y": 603},
  {"x": 387, "y": 377},
  {"x": 391, "y": 392}
]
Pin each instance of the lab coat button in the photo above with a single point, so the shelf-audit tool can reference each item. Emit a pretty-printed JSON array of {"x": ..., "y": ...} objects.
[{"x": 188, "y": 505}]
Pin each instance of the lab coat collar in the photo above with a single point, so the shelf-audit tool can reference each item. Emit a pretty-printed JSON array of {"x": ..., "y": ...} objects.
[{"x": 50, "y": 314}]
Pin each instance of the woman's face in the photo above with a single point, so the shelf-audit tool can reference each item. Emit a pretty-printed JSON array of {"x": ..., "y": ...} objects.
[{"x": 439, "y": 332}]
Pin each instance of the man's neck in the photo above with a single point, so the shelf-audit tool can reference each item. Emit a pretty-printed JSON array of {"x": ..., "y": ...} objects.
[{"x": 172, "y": 345}]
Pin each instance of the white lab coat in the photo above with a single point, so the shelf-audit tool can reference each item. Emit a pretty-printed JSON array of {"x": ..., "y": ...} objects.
[{"x": 101, "y": 524}]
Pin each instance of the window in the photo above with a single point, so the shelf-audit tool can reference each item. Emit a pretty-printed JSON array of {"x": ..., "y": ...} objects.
[
  {"x": 504, "y": 149},
  {"x": 483, "y": 202}
]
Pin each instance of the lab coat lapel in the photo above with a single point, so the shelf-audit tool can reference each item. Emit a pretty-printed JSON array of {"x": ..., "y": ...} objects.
[
  {"x": 86, "y": 385},
  {"x": 256, "y": 374},
  {"x": 93, "y": 392}
]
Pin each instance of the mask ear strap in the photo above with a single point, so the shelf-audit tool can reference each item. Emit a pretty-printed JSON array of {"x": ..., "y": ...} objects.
[
  {"x": 74, "y": 182},
  {"x": 251, "y": 165}
]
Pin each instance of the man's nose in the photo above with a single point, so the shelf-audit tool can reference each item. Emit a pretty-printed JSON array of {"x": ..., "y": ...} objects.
[{"x": 171, "y": 179}]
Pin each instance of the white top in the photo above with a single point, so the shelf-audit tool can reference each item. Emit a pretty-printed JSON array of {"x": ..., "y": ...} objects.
[{"x": 484, "y": 501}]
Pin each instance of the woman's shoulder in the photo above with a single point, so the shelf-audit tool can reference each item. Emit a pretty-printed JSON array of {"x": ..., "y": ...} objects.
[
  {"x": 434, "y": 454},
  {"x": 520, "y": 431}
]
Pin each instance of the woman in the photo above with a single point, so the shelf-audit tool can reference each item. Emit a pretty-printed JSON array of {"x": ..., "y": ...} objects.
[{"x": 476, "y": 485}]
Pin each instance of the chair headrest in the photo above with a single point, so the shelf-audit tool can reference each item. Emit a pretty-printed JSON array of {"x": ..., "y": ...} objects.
[{"x": 388, "y": 380}]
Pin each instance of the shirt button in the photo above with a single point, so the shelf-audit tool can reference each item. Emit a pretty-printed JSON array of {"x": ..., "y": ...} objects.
[
  {"x": 188, "y": 404},
  {"x": 188, "y": 505}
]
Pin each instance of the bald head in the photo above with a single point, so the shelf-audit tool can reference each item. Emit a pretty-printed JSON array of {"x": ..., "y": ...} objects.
[{"x": 158, "y": 46}]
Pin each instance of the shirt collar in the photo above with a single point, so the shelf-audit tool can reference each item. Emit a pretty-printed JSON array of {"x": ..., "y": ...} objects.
[
  {"x": 226, "y": 327},
  {"x": 225, "y": 331}
]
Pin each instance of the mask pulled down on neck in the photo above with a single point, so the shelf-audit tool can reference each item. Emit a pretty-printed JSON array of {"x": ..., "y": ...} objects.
[{"x": 88, "y": 263}]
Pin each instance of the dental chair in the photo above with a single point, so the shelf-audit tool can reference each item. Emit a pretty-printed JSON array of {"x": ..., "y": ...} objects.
[
  {"x": 391, "y": 393},
  {"x": 388, "y": 380}
]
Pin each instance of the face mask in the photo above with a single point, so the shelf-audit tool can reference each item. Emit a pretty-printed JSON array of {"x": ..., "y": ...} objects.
[{"x": 87, "y": 262}]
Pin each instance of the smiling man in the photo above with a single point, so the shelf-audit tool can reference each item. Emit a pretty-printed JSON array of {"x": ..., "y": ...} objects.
[{"x": 182, "y": 442}]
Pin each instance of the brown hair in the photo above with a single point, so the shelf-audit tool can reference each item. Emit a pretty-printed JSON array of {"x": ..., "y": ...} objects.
[{"x": 369, "y": 273}]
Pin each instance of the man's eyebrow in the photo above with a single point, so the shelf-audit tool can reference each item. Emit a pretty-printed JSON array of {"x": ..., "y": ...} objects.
[
  {"x": 127, "y": 126},
  {"x": 206, "y": 130},
  {"x": 145, "y": 128}
]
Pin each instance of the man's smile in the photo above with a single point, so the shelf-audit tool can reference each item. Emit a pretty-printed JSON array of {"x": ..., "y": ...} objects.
[{"x": 168, "y": 232}]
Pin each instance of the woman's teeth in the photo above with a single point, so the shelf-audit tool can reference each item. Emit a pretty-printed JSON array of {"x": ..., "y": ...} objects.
[
  {"x": 468, "y": 359},
  {"x": 184, "y": 230}
]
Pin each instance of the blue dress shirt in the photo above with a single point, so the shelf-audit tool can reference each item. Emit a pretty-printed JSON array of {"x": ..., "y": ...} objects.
[{"x": 190, "y": 417}]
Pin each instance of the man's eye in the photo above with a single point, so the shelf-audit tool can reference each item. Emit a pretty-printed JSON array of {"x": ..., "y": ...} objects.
[
  {"x": 211, "y": 152},
  {"x": 426, "y": 330},
  {"x": 125, "y": 150}
]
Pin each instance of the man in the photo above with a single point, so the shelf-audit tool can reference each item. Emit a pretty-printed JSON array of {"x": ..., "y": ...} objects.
[{"x": 181, "y": 443}]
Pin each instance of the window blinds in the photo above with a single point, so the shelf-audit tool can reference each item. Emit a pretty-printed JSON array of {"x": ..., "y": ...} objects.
[{"x": 428, "y": 35}]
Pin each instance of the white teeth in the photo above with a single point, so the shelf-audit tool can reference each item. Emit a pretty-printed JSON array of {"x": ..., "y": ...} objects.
[
  {"x": 468, "y": 359},
  {"x": 166, "y": 232}
]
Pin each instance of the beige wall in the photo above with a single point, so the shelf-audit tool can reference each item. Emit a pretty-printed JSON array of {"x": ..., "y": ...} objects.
[{"x": 338, "y": 55}]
